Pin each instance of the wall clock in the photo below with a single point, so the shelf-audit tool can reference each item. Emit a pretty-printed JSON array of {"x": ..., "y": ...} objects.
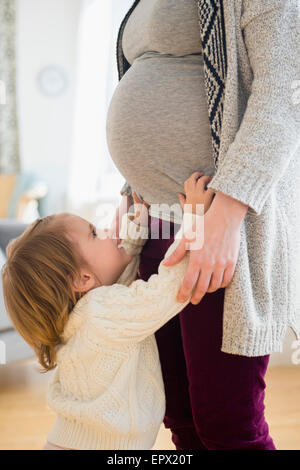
[{"x": 53, "y": 81}]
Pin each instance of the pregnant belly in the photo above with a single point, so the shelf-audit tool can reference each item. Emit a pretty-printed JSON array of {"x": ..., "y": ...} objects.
[{"x": 157, "y": 126}]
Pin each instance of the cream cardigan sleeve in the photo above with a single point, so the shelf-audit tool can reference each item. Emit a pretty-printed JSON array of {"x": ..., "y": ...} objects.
[
  {"x": 129, "y": 314},
  {"x": 269, "y": 133}
]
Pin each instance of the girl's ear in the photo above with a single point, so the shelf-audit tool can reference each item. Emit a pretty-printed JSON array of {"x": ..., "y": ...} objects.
[{"x": 84, "y": 282}]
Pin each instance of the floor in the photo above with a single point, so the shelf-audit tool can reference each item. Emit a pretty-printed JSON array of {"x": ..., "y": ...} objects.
[{"x": 25, "y": 419}]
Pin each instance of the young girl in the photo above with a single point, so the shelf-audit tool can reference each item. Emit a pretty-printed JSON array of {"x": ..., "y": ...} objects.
[{"x": 73, "y": 297}]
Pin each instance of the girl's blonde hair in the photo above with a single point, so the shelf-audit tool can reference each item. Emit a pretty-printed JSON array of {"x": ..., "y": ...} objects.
[{"x": 37, "y": 285}]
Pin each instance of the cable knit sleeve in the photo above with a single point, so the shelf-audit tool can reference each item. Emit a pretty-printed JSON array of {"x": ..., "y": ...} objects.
[
  {"x": 130, "y": 314},
  {"x": 268, "y": 135}
]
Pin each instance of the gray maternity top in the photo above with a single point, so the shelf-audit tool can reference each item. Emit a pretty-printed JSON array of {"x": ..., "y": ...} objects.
[{"x": 157, "y": 126}]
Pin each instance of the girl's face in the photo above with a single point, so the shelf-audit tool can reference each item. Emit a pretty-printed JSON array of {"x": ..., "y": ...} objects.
[{"x": 101, "y": 252}]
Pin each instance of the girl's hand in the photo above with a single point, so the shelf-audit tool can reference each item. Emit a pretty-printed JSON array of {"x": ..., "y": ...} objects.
[
  {"x": 196, "y": 193},
  {"x": 139, "y": 201},
  {"x": 123, "y": 208},
  {"x": 140, "y": 210}
]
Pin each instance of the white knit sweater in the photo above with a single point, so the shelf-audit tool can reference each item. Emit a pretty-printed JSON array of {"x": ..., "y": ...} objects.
[{"x": 108, "y": 390}]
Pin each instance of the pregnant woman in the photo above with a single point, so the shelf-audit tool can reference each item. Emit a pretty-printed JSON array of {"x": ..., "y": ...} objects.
[{"x": 212, "y": 86}]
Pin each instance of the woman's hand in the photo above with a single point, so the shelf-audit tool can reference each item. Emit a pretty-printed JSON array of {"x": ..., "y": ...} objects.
[{"x": 212, "y": 266}]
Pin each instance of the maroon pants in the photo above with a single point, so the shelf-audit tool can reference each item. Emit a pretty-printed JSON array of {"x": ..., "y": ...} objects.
[{"x": 214, "y": 400}]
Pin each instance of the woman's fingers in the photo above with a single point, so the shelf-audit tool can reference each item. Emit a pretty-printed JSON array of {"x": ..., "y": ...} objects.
[
  {"x": 202, "y": 286},
  {"x": 227, "y": 276},
  {"x": 189, "y": 281},
  {"x": 216, "y": 280},
  {"x": 218, "y": 255}
]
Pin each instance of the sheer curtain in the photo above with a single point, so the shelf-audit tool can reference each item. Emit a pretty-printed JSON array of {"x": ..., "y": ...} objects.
[
  {"x": 9, "y": 139},
  {"x": 94, "y": 178}
]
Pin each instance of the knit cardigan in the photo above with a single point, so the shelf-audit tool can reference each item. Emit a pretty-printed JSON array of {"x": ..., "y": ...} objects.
[
  {"x": 108, "y": 390},
  {"x": 251, "y": 52}
]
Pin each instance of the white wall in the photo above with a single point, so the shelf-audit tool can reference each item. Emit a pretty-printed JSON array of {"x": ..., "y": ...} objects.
[
  {"x": 94, "y": 178},
  {"x": 46, "y": 34}
]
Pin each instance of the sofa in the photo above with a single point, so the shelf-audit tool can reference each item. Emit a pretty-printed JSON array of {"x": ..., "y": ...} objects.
[{"x": 12, "y": 346}]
